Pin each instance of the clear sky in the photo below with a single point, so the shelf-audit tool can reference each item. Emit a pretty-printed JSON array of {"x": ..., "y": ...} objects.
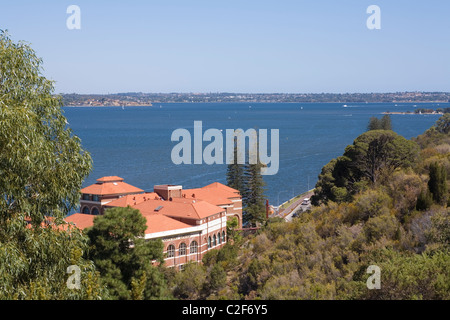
[{"x": 252, "y": 46}]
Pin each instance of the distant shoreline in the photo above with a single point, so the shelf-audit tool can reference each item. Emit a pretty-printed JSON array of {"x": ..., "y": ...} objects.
[
  {"x": 414, "y": 113},
  {"x": 139, "y": 98}
]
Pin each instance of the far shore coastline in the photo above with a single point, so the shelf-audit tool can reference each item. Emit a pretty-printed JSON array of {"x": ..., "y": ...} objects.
[{"x": 414, "y": 113}]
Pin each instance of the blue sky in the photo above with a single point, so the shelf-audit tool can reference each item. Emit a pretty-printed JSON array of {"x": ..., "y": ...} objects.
[{"x": 237, "y": 46}]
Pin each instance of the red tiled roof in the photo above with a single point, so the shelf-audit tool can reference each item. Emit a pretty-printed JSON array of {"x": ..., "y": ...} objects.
[
  {"x": 159, "y": 223},
  {"x": 81, "y": 220},
  {"x": 218, "y": 185},
  {"x": 155, "y": 222},
  {"x": 209, "y": 195},
  {"x": 182, "y": 208},
  {"x": 215, "y": 193},
  {"x": 110, "y": 179},
  {"x": 111, "y": 186},
  {"x": 133, "y": 199}
]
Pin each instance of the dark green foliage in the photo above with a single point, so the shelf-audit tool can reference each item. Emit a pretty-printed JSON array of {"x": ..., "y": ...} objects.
[
  {"x": 123, "y": 257},
  {"x": 373, "y": 155},
  {"x": 232, "y": 233},
  {"x": 380, "y": 124},
  {"x": 443, "y": 124},
  {"x": 424, "y": 201},
  {"x": 254, "y": 199},
  {"x": 326, "y": 182},
  {"x": 235, "y": 174},
  {"x": 386, "y": 123},
  {"x": 34, "y": 263},
  {"x": 226, "y": 256},
  {"x": 406, "y": 276},
  {"x": 190, "y": 282},
  {"x": 438, "y": 183},
  {"x": 379, "y": 152},
  {"x": 217, "y": 278},
  {"x": 248, "y": 180},
  {"x": 374, "y": 124}
]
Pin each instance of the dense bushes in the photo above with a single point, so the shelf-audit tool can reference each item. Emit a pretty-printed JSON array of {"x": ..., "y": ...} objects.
[
  {"x": 389, "y": 217},
  {"x": 372, "y": 158}
]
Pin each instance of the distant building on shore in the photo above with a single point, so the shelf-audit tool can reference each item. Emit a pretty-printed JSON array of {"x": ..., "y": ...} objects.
[{"x": 189, "y": 222}]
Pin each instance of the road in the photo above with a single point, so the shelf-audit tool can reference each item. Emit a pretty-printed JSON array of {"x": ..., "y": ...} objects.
[
  {"x": 293, "y": 207},
  {"x": 290, "y": 215}
]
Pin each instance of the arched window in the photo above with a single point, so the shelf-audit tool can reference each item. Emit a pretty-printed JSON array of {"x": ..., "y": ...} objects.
[
  {"x": 171, "y": 251},
  {"x": 219, "y": 238},
  {"x": 86, "y": 210},
  {"x": 209, "y": 242},
  {"x": 223, "y": 236},
  {"x": 182, "y": 249},
  {"x": 194, "y": 247},
  {"x": 214, "y": 240},
  {"x": 95, "y": 211}
]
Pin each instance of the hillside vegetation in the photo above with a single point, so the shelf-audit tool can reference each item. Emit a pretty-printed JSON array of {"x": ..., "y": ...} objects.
[{"x": 385, "y": 202}]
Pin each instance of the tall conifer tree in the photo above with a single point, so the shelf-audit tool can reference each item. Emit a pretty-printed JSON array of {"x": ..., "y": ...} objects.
[
  {"x": 254, "y": 210},
  {"x": 235, "y": 173},
  {"x": 438, "y": 183}
]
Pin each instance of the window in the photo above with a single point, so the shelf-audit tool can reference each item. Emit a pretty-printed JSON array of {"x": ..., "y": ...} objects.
[
  {"x": 86, "y": 210},
  {"x": 95, "y": 211},
  {"x": 95, "y": 198},
  {"x": 182, "y": 249},
  {"x": 86, "y": 197},
  {"x": 219, "y": 238},
  {"x": 214, "y": 240},
  {"x": 194, "y": 247},
  {"x": 223, "y": 236},
  {"x": 209, "y": 242},
  {"x": 171, "y": 251}
]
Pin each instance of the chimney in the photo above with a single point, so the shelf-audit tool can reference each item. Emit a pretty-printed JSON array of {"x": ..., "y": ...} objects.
[{"x": 167, "y": 191}]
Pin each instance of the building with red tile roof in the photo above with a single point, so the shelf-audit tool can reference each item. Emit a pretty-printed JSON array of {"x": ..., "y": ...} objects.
[
  {"x": 189, "y": 222},
  {"x": 105, "y": 190},
  {"x": 219, "y": 195}
]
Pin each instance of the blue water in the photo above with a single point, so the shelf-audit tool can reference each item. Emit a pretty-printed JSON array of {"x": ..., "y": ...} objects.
[{"x": 135, "y": 142}]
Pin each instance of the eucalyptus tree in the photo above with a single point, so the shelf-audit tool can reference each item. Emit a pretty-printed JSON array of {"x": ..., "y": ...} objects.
[
  {"x": 42, "y": 163},
  {"x": 42, "y": 167}
]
